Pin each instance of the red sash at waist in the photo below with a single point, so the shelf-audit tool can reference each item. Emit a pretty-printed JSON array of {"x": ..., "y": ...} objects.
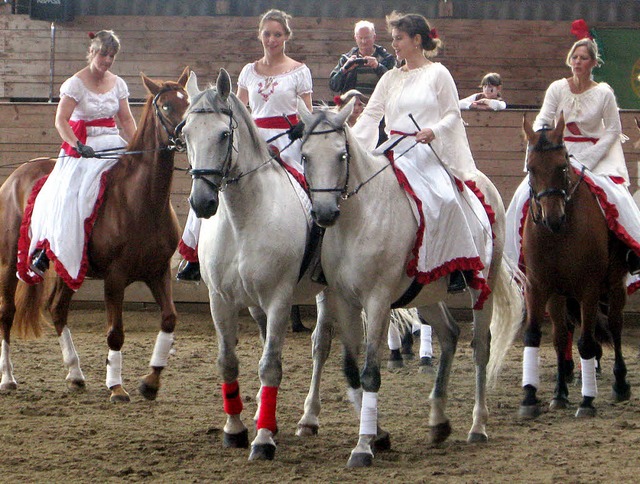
[
  {"x": 79, "y": 128},
  {"x": 277, "y": 122},
  {"x": 581, "y": 139},
  {"x": 401, "y": 133}
]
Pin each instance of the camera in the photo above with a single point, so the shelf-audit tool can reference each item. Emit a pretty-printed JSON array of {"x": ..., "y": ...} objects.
[{"x": 360, "y": 61}]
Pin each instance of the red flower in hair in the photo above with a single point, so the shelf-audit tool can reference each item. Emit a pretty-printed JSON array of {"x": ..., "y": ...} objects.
[
  {"x": 580, "y": 30},
  {"x": 337, "y": 100},
  {"x": 433, "y": 34},
  {"x": 91, "y": 35}
]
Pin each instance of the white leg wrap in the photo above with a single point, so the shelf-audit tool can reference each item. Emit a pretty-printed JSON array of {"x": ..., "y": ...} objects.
[
  {"x": 70, "y": 355},
  {"x": 393, "y": 338},
  {"x": 5, "y": 365},
  {"x": 160, "y": 356},
  {"x": 369, "y": 414},
  {"x": 426, "y": 348},
  {"x": 355, "y": 397},
  {"x": 114, "y": 368},
  {"x": 530, "y": 370},
  {"x": 589, "y": 385}
]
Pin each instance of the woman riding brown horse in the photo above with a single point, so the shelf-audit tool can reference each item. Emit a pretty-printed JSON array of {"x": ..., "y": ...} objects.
[
  {"x": 135, "y": 234},
  {"x": 570, "y": 255}
]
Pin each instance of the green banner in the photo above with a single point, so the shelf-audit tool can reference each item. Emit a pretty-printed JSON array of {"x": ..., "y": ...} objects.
[{"x": 620, "y": 51}]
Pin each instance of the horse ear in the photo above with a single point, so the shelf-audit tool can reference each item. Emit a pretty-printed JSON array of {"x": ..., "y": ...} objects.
[
  {"x": 151, "y": 86},
  {"x": 345, "y": 112},
  {"x": 184, "y": 76},
  {"x": 192, "y": 85},
  {"x": 558, "y": 131},
  {"x": 304, "y": 113},
  {"x": 527, "y": 128},
  {"x": 223, "y": 84}
]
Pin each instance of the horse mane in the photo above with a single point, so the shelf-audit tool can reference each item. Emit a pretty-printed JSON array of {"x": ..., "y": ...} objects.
[
  {"x": 544, "y": 143},
  {"x": 209, "y": 100}
]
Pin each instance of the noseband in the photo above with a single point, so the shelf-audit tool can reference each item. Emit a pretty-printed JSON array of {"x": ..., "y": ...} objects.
[
  {"x": 175, "y": 141},
  {"x": 223, "y": 173},
  {"x": 566, "y": 193}
]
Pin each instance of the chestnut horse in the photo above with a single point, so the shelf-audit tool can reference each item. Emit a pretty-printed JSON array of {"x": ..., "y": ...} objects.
[
  {"x": 570, "y": 257},
  {"x": 135, "y": 234}
]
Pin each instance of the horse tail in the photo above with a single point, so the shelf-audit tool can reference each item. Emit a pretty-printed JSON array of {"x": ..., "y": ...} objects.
[
  {"x": 30, "y": 318},
  {"x": 508, "y": 315},
  {"x": 404, "y": 319}
]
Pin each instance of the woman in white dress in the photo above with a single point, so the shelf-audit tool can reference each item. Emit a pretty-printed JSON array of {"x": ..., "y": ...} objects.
[
  {"x": 58, "y": 223},
  {"x": 271, "y": 87},
  {"x": 419, "y": 102},
  {"x": 593, "y": 137}
]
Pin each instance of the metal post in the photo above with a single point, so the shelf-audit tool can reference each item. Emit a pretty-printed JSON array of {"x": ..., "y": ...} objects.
[{"x": 52, "y": 60}]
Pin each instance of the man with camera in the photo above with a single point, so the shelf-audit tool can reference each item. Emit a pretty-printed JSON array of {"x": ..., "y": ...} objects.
[{"x": 362, "y": 66}]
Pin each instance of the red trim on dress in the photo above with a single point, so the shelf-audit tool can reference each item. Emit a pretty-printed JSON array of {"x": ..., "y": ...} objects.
[{"x": 188, "y": 253}]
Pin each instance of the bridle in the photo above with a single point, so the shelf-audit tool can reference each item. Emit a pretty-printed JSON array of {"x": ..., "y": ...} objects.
[
  {"x": 566, "y": 193},
  {"x": 176, "y": 143},
  {"x": 346, "y": 157}
]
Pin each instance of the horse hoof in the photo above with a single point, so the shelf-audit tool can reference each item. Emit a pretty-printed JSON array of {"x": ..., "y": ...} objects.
[
  {"x": 76, "y": 386},
  {"x": 236, "y": 441},
  {"x": 360, "y": 459},
  {"x": 382, "y": 442},
  {"x": 621, "y": 395},
  {"x": 558, "y": 404},
  {"x": 395, "y": 364},
  {"x": 119, "y": 395},
  {"x": 441, "y": 432},
  {"x": 262, "y": 452},
  {"x": 477, "y": 438},
  {"x": 586, "y": 412},
  {"x": 9, "y": 387},
  {"x": 147, "y": 391},
  {"x": 307, "y": 430},
  {"x": 408, "y": 356},
  {"x": 426, "y": 365},
  {"x": 529, "y": 411}
]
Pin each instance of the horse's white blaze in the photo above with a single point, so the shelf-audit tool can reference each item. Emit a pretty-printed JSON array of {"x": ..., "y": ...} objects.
[
  {"x": 589, "y": 384},
  {"x": 114, "y": 368},
  {"x": 161, "y": 350},
  {"x": 530, "y": 369},
  {"x": 6, "y": 366},
  {"x": 70, "y": 356},
  {"x": 369, "y": 414}
]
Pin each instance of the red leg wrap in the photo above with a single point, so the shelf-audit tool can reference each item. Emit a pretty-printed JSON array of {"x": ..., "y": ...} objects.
[
  {"x": 231, "y": 398},
  {"x": 267, "y": 415}
]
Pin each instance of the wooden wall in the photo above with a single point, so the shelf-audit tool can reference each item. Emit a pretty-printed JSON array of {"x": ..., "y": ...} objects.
[{"x": 528, "y": 54}]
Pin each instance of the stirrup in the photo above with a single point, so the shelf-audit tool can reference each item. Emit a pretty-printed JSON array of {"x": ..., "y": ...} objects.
[
  {"x": 39, "y": 263},
  {"x": 633, "y": 263}
]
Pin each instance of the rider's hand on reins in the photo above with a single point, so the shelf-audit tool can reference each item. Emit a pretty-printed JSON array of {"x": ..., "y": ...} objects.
[
  {"x": 85, "y": 151},
  {"x": 296, "y": 131}
]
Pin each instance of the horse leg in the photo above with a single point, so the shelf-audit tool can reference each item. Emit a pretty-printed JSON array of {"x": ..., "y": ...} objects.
[
  {"x": 621, "y": 390},
  {"x": 557, "y": 307},
  {"x": 481, "y": 351},
  {"x": 321, "y": 347},
  {"x": 7, "y": 312},
  {"x": 535, "y": 302},
  {"x": 589, "y": 348},
  {"x": 162, "y": 293},
  {"x": 377, "y": 327},
  {"x": 225, "y": 319},
  {"x": 447, "y": 332},
  {"x": 114, "y": 296},
  {"x": 263, "y": 446},
  {"x": 59, "y": 309},
  {"x": 394, "y": 341}
]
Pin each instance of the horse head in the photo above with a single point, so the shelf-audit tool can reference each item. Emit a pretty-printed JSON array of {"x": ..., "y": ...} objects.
[
  {"x": 549, "y": 175},
  {"x": 210, "y": 142},
  {"x": 325, "y": 157},
  {"x": 169, "y": 101}
]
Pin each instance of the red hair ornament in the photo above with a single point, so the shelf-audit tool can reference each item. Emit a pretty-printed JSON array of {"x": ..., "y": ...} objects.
[{"x": 580, "y": 29}]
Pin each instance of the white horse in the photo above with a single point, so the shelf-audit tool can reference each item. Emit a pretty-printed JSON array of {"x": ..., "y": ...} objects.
[{"x": 364, "y": 257}]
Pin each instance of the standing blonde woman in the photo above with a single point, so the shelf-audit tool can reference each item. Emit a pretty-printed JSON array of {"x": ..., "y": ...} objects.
[{"x": 58, "y": 222}]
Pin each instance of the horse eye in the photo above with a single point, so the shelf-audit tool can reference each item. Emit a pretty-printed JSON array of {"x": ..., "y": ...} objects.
[
  {"x": 224, "y": 135},
  {"x": 343, "y": 157},
  {"x": 166, "y": 107},
  {"x": 304, "y": 159}
]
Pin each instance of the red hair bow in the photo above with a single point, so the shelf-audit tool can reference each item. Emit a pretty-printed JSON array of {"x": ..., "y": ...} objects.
[
  {"x": 337, "y": 100},
  {"x": 91, "y": 35},
  {"x": 433, "y": 34},
  {"x": 580, "y": 30}
]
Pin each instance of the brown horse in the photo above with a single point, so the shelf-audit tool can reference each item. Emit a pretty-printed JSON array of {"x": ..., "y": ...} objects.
[
  {"x": 571, "y": 257},
  {"x": 135, "y": 234}
]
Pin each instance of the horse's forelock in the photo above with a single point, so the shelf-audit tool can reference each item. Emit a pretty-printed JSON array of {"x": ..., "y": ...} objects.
[{"x": 544, "y": 143}]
